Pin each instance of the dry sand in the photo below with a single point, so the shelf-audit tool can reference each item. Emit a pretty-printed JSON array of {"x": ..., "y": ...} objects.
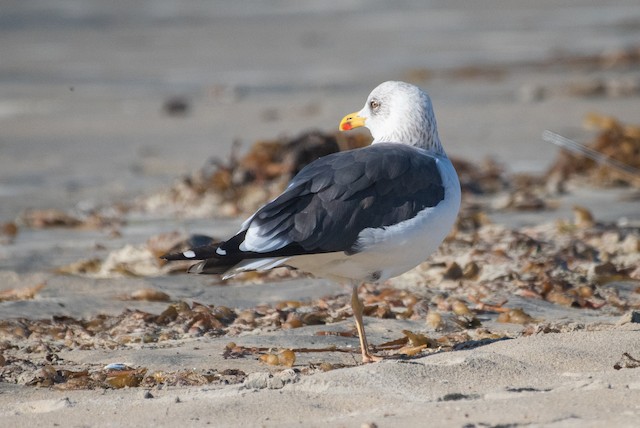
[
  {"x": 552, "y": 380},
  {"x": 82, "y": 89}
]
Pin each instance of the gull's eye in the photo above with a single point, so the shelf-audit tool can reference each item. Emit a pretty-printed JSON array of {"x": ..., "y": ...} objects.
[{"x": 374, "y": 104}]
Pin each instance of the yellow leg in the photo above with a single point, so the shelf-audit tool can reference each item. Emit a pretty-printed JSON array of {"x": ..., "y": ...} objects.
[{"x": 358, "y": 309}]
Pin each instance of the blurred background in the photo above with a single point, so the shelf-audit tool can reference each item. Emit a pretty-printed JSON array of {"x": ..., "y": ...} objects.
[{"x": 104, "y": 100}]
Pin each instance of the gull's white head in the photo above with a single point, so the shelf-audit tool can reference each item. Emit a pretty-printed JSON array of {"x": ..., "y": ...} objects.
[{"x": 397, "y": 112}]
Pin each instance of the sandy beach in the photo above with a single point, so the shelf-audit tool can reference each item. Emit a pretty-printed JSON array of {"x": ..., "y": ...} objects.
[{"x": 113, "y": 115}]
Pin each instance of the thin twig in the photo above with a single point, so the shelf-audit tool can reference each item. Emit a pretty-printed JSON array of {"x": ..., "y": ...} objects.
[{"x": 575, "y": 147}]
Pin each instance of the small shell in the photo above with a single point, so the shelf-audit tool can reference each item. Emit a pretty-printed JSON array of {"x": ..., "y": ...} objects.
[
  {"x": 415, "y": 339},
  {"x": 582, "y": 216},
  {"x": 292, "y": 323},
  {"x": 288, "y": 304},
  {"x": 434, "y": 319},
  {"x": 223, "y": 314},
  {"x": 471, "y": 270},
  {"x": 149, "y": 295},
  {"x": 270, "y": 359},
  {"x": 325, "y": 367},
  {"x": 411, "y": 350},
  {"x": 287, "y": 357},
  {"x": 314, "y": 318},
  {"x": 453, "y": 271},
  {"x": 117, "y": 366},
  {"x": 460, "y": 308},
  {"x": 585, "y": 291},
  {"x": 515, "y": 316},
  {"x": 559, "y": 298}
]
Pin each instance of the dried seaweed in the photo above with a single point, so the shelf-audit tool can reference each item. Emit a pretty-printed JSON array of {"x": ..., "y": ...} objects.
[
  {"x": 23, "y": 293},
  {"x": 137, "y": 260},
  {"x": 241, "y": 184},
  {"x": 111, "y": 217},
  {"x": 616, "y": 141},
  {"x": 582, "y": 264},
  {"x": 627, "y": 362},
  {"x": 8, "y": 232},
  {"x": 127, "y": 377}
]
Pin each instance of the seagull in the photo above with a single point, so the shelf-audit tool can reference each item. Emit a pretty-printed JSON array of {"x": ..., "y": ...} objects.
[{"x": 357, "y": 216}]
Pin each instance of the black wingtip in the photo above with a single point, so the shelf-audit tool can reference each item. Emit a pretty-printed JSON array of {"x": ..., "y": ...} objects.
[
  {"x": 173, "y": 256},
  {"x": 196, "y": 247},
  {"x": 197, "y": 253}
]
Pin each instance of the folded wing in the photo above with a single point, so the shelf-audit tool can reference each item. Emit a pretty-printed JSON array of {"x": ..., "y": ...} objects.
[{"x": 328, "y": 203}]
